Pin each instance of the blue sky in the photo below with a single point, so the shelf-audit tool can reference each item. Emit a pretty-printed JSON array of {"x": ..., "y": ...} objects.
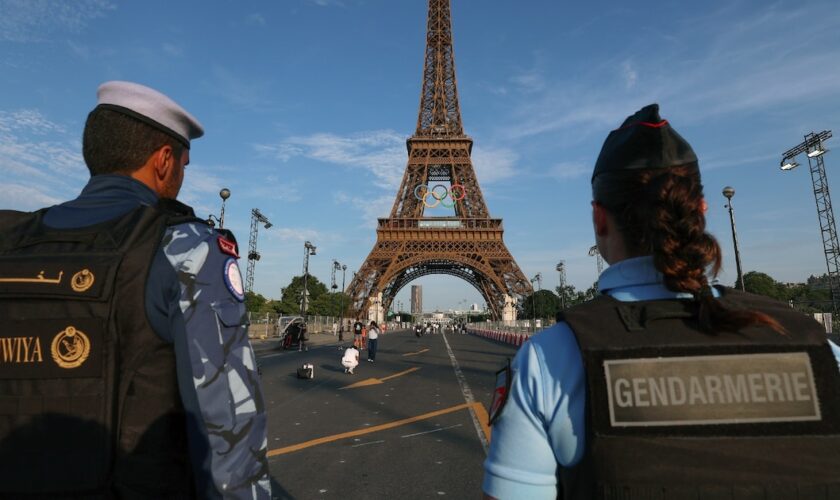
[{"x": 307, "y": 105}]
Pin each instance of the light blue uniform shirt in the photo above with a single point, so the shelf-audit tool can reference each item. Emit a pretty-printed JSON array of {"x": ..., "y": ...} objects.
[{"x": 543, "y": 423}]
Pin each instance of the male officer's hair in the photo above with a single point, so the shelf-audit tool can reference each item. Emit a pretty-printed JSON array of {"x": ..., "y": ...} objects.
[{"x": 117, "y": 143}]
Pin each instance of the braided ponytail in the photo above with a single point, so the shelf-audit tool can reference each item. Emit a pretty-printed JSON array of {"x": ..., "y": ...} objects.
[{"x": 660, "y": 213}]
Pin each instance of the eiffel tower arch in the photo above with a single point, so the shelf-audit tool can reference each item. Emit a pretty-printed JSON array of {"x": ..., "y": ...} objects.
[{"x": 411, "y": 243}]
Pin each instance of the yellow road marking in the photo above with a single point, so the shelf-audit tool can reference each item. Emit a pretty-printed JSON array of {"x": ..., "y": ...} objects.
[
  {"x": 375, "y": 381},
  {"x": 483, "y": 418},
  {"x": 406, "y": 372},
  {"x": 421, "y": 351},
  {"x": 362, "y": 432}
]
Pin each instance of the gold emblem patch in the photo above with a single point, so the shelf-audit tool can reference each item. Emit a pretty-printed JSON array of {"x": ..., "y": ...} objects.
[
  {"x": 82, "y": 280},
  {"x": 71, "y": 347}
]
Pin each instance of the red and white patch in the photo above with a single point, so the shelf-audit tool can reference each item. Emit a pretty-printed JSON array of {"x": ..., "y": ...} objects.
[
  {"x": 233, "y": 280},
  {"x": 227, "y": 246},
  {"x": 501, "y": 392}
]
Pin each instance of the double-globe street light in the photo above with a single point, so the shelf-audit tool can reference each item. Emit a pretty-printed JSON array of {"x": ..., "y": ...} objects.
[{"x": 729, "y": 192}]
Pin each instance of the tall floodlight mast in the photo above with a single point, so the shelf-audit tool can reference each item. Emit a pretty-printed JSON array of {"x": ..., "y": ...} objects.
[
  {"x": 257, "y": 218},
  {"x": 814, "y": 149}
]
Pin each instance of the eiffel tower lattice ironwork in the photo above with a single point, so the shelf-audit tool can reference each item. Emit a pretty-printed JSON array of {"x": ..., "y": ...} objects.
[{"x": 409, "y": 244}]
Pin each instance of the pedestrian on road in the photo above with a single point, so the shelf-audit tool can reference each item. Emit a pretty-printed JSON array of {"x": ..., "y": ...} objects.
[
  {"x": 335, "y": 328},
  {"x": 303, "y": 337},
  {"x": 373, "y": 340},
  {"x": 636, "y": 391},
  {"x": 358, "y": 326},
  {"x": 148, "y": 387},
  {"x": 350, "y": 359}
]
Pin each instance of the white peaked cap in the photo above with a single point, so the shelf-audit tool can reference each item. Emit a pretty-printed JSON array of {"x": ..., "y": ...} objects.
[{"x": 151, "y": 107}]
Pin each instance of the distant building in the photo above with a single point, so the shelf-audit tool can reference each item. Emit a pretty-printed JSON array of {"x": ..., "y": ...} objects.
[
  {"x": 416, "y": 299},
  {"x": 475, "y": 308}
]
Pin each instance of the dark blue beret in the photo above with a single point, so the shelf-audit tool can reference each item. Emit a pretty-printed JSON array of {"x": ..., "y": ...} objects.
[{"x": 644, "y": 141}]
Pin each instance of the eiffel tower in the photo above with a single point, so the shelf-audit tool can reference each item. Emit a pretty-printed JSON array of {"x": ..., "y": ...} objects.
[{"x": 411, "y": 243}]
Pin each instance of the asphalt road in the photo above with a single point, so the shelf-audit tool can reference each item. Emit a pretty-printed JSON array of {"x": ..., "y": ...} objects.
[{"x": 412, "y": 426}]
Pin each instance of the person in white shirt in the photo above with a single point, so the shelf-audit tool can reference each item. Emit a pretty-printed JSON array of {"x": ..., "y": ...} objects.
[
  {"x": 373, "y": 336},
  {"x": 350, "y": 360}
]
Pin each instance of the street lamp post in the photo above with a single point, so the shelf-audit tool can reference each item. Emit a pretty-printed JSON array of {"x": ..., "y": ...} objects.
[
  {"x": 224, "y": 194},
  {"x": 561, "y": 270},
  {"x": 308, "y": 249},
  {"x": 729, "y": 192},
  {"x": 538, "y": 280}
]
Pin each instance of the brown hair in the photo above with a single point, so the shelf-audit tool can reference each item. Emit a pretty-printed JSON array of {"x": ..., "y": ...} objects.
[{"x": 659, "y": 212}]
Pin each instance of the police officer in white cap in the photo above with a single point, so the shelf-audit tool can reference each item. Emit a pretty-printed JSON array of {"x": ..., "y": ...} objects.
[{"x": 129, "y": 372}]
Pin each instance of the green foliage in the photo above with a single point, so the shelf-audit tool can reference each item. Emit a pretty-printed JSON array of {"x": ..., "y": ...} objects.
[
  {"x": 569, "y": 297},
  {"x": 762, "y": 284},
  {"x": 320, "y": 302},
  {"x": 543, "y": 303},
  {"x": 813, "y": 296},
  {"x": 254, "y": 302}
]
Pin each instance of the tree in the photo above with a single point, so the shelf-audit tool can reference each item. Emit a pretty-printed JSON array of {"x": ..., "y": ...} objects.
[
  {"x": 543, "y": 303},
  {"x": 569, "y": 296},
  {"x": 254, "y": 302},
  {"x": 292, "y": 295},
  {"x": 762, "y": 284}
]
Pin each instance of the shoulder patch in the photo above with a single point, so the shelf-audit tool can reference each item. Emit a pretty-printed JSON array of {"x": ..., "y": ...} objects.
[
  {"x": 501, "y": 392},
  {"x": 227, "y": 246},
  {"x": 233, "y": 279}
]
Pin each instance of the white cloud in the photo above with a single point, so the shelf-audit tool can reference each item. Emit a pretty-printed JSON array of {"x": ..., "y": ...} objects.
[
  {"x": 26, "y": 21},
  {"x": 28, "y": 120},
  {"x": 291, "y": 234},
  {"x": 371, "y": 208},
  {"x": 243, "y": 91},
  {"x": 530, "y": 81},
  {"x": 21, "y": 197},
  {"x": 256, "y": 18},
  {"x": 173, "y": 49},
  {"x": 327, "y": 3},
  {"x": 569, "y": 170},
  {"x": 381, "y": 152},
  {"x": 493, "y": 164},
  {"x": 40, "y": 164},
  {"x": 717, "y": 66},
  {"x": 630, "y": 75}
]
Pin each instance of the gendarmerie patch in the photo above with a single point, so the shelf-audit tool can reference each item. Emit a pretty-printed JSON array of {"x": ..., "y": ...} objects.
[
  {"x": 233, "y": 279},
  {"x": 709, "y": 390},
  {"x": 501, "y": 392}
]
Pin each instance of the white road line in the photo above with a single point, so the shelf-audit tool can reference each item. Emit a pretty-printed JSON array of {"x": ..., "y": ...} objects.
[
  {"x": 365, "y": 444},
  {"x": 429, "y": 432},
  {"x": 468, "y": 397}
]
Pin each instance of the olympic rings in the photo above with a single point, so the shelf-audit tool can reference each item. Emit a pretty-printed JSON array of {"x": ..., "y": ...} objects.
[{"x": 422, "y": 192}]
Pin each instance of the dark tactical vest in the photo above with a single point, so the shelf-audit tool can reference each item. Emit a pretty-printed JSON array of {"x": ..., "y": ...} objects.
[
  {"x": 89, "y": 402},
  {"x": 674, "y": 413}
]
